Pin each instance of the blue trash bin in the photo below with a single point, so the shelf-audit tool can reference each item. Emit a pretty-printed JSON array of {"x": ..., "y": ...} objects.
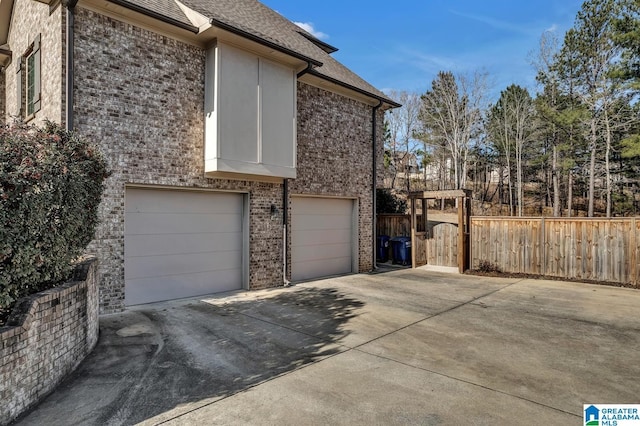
[
  {"x": 401, "y": 248},
  {"x": 383, "y": 248}
]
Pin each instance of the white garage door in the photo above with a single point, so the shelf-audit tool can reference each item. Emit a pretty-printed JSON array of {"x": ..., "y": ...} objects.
[
  {"x": 181, "y": 244},
  {"x": 321, "y": 237}
]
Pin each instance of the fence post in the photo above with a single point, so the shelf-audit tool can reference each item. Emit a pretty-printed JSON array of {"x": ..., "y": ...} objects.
[
  {"x": 634, "y": 252},
  {"x": 460, "y": 201},
  {"x": 414, "y": 224},
  {"x": 543, "y": 247}
]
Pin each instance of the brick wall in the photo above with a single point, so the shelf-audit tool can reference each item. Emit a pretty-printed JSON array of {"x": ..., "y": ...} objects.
[
  {"x": 3, "y": 98},
  {"x": 335, "y": 155},
  {"x": 380, "y": 146},
  {"x": 31, "y": 18},
  {"x": 140, "y": 95},
  {"x": 46, "y": 337}
]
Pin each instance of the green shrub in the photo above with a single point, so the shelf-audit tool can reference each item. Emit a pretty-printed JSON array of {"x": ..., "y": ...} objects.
[
  {"x": 51, "y": 182},
  {"x": 388, "y": 202}
]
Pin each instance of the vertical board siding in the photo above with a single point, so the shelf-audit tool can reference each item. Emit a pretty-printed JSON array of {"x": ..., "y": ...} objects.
[
  {"x": 420, "y": 248},
  {"x": 512, "y": 244},
  {"x": 438, "y": 246},
  {"x": 635, "y": 242},
  {"x": 442, "y": 245},
  {"x": 581, "y": 248},
  {"x": 397, "y": 225}
]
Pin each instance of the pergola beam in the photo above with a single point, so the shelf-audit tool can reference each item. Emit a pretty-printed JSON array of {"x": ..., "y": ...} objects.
[{"x": 437, "y": 195}]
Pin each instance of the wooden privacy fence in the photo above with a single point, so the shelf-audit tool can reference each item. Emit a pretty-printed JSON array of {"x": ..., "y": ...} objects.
[
  {"x": 395, "y": 225},
  {"x": 581, "y": 248}
]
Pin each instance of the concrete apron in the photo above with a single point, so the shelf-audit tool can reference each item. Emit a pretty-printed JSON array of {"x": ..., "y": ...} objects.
[{"x": 403, "y": 347}]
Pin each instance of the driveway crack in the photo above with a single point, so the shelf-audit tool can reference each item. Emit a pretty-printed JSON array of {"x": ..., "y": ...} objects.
[
  {"x": 458, "y": 379},
  {"x": 460, "y": 305},
  {"x": 469, "y": 302}
]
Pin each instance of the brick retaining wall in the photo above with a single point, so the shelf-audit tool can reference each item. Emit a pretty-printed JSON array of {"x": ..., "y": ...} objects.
[{"x": 47, "y": 335}]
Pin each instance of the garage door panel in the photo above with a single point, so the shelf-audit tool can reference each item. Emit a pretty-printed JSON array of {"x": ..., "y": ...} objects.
[
  {"x": 147, "y": 290},
  {"x": 174, "y": 264},
  {"x": 181, "y": 244},
  {"x": 321, "y": 237},
  {"x": 327, "y": 252},
  {"x": 150, "y": 201},
  {"x": 322, "y": 206},
  {"x": 173, "y": 223},
  {"x": 319, "y": 222},
  {"x": 319, "y": 268},
  {"x": 163, "y": 244}
]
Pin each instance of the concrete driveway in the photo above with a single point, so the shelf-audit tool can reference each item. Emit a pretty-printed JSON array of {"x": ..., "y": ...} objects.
[{"x": 403, "y": 347}]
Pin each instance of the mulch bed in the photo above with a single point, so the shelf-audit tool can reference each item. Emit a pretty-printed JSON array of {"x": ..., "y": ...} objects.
[{"x": 544, "y": 277}]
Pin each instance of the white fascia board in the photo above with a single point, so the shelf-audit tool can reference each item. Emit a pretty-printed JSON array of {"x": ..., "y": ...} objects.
[
  {"x": 246, "y": 168},
  {"x": 197, "y": 19}
]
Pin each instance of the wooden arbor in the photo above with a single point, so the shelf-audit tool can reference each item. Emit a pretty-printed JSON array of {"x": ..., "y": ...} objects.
[{"x": 418, "y": 245}]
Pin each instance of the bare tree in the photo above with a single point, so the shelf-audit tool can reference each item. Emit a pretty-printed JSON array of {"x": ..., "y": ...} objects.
[
  {"x": 498, "y": 129},
  {"x": 511, "y": 125},
  {"x": 451, "y": 112},
  {"x": 584, "y": 64},
  {"x": 403, "y": 124},
  {"x": 521, "y": 109},
  {"x": 617, "y": 116},
  {"x": 548, "y": 102}
]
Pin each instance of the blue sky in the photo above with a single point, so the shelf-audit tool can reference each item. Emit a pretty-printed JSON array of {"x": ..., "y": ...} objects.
[{"x": 403, "y": 44}]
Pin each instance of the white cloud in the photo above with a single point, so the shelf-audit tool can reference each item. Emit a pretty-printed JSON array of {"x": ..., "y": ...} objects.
[
  {"x": 552, "y": 29},
  {"x": 517, "y": 28},
  {"x": 426, "y": 62},
  {"x": 308, "y": 27}
]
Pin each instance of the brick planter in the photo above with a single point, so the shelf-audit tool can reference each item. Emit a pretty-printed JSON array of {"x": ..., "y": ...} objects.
[{"x": 47, "y": 335}]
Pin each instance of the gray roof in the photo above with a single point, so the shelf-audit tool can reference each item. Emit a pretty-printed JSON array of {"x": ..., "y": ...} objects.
[{"x": 259, "y": 21}]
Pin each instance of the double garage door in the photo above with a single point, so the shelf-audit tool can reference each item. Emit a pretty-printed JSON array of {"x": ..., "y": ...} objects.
[{"x": 182, "y": 243}]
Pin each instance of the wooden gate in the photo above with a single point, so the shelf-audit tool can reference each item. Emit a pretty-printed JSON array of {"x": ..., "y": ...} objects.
[
  {"x": 436, "y": 239},
  {"x": 442, "y": 244}
]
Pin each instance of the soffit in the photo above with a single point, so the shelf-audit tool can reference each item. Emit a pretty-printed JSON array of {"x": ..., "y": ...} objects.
[{"x": 6, "y": 7}]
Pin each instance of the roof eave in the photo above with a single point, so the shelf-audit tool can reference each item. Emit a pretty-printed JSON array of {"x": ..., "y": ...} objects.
[
  {"x": 216, "y": 23},
  {"x": 387, "y": 101},
  {"x": 5, "y": 57},
  {"x": 155, "y": 15},
  {"x": 198, "y": 31},
  {"x": 6, "y": 8},
  {"x": 321, "y": 44},
  {"x": 230, "y": 28}
]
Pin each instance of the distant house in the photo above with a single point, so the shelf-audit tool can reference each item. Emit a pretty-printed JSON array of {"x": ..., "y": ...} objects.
[
  {"x": 405, "y": 163},
  {"x": 243, "y": 155}
]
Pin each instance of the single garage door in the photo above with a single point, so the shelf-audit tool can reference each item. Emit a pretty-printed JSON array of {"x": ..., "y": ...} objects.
[
  {"x": 181, "y": 244},
  {"x": 321, "y": 237}
]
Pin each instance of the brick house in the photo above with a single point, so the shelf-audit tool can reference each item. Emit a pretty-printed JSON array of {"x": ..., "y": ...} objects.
[{"x": 241, "y": 151}]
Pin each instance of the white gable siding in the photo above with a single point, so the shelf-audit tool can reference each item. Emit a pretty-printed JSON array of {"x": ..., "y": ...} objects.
[{"x": 250, "y": 109}]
